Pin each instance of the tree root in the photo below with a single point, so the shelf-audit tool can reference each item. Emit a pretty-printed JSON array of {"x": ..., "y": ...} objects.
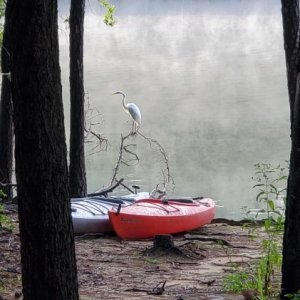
[{"x": 157, "y": 290}]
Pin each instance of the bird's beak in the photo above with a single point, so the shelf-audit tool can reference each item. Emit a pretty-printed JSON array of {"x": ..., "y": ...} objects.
[{"x": 115, "y": 93}]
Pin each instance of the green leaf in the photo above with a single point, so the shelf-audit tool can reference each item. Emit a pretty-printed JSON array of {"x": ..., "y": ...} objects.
[
  {"x": 271, "y": 204},
  {"x": 259, "y": 184},
  {"x": 2, "y": 194},
  {"x": 109, "y": 15},
  {"x": 274, "y": 188},
  {"x": 283, "y": 177},
  {"x": 258, "y": 197}
]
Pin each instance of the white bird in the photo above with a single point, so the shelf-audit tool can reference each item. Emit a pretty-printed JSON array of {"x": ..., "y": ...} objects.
[{"x": 133, "y": 110}]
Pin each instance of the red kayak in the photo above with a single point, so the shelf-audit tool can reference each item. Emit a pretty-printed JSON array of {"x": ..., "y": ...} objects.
[{"x": 149, "y": 217}]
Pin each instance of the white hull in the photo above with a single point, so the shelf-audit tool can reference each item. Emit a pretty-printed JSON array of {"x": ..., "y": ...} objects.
[{"x": 90, "y": 214}]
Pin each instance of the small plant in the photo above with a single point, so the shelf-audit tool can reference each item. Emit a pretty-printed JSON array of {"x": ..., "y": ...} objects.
[
  {"x": 268, "y": 264},
  {"x": 239, "y": 281},
  {"x": 5, "y": 222},
  {"x": 271, "y": 195},
  {"x": 271, "y": 184}
]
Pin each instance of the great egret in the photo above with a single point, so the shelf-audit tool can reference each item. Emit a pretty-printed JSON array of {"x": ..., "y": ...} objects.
[{"x": 133, "y": 110}]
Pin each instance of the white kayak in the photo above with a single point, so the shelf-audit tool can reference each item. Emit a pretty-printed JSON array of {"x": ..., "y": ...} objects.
[{"x": 90, "y": 214}]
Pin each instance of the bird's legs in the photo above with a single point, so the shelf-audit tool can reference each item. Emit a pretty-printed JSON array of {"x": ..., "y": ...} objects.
[{"x": 134, "y": 128}]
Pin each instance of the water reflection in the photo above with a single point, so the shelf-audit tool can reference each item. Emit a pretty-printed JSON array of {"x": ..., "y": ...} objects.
[{"x": 209, "y": 77}]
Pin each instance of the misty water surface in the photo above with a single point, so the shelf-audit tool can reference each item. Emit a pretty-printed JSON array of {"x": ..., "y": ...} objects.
[{"x": 210, "y": 80}]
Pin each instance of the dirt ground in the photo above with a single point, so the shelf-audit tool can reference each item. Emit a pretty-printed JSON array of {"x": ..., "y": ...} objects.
[{"x": 109, "y": 268}]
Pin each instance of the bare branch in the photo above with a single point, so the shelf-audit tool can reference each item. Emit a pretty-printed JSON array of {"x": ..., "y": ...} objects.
[
  {"x": 124, "y": 148},
  {"x": 167, "y": 177},
  {"x": 92, "y": 135},
  {"x": 134, "y": 159}
]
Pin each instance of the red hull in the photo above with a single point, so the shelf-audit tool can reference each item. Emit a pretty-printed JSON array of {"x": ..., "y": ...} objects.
[{"x": 149, "y": 217}]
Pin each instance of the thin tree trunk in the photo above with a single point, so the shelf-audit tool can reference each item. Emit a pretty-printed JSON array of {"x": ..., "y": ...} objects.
[
  {"x": 47, "y": 241},
  {"x": 6, "y": 110},
  {"x": 290, "y": 21},
  {"x": 78, "y": 185},
  {"x": 291, "y": 240}
]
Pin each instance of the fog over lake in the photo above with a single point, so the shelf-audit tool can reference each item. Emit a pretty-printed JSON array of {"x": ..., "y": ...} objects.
[{"x": 210, "y": 80}]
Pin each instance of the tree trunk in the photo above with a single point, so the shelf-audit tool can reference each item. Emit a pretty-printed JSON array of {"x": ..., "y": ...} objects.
[
  {"x": 290, "y": 21},
  {"x": 6, "y": 111},
  {"x": 78, "y": 186},
  {"x": 47, "y": 242},
  {"x": 163, "y": 241},
  {"x": 291, "y": 240}
]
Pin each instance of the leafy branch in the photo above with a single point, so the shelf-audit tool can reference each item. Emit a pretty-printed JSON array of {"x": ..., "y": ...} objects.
[{"x": 108, "y": 18}]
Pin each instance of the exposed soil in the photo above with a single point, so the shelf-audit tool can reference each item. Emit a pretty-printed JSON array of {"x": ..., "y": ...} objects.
[{"x": 109, "y": 268}]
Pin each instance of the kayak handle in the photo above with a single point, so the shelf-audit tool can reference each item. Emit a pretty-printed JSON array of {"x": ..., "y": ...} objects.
[{"x": 119, "y": 209}]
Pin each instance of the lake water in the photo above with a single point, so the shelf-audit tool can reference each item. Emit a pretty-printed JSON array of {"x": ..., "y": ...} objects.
[{"x": 210, "y": 80}]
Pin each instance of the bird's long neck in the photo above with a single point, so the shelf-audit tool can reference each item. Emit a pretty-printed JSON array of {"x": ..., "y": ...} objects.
[{"x": 125, "y": 106}]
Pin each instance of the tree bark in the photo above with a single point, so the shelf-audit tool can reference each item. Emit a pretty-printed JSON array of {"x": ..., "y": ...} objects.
[
  {"x": 290, "y": 22},
  {"x": 78, "y": 185},
  {"x": 291, "y": 240},
  {"x": 6, "y": 110},
  {"x": 47, "y": 242}
]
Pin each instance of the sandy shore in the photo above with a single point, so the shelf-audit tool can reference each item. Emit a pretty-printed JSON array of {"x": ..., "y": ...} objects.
[{"x": 109, "y": 268}]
